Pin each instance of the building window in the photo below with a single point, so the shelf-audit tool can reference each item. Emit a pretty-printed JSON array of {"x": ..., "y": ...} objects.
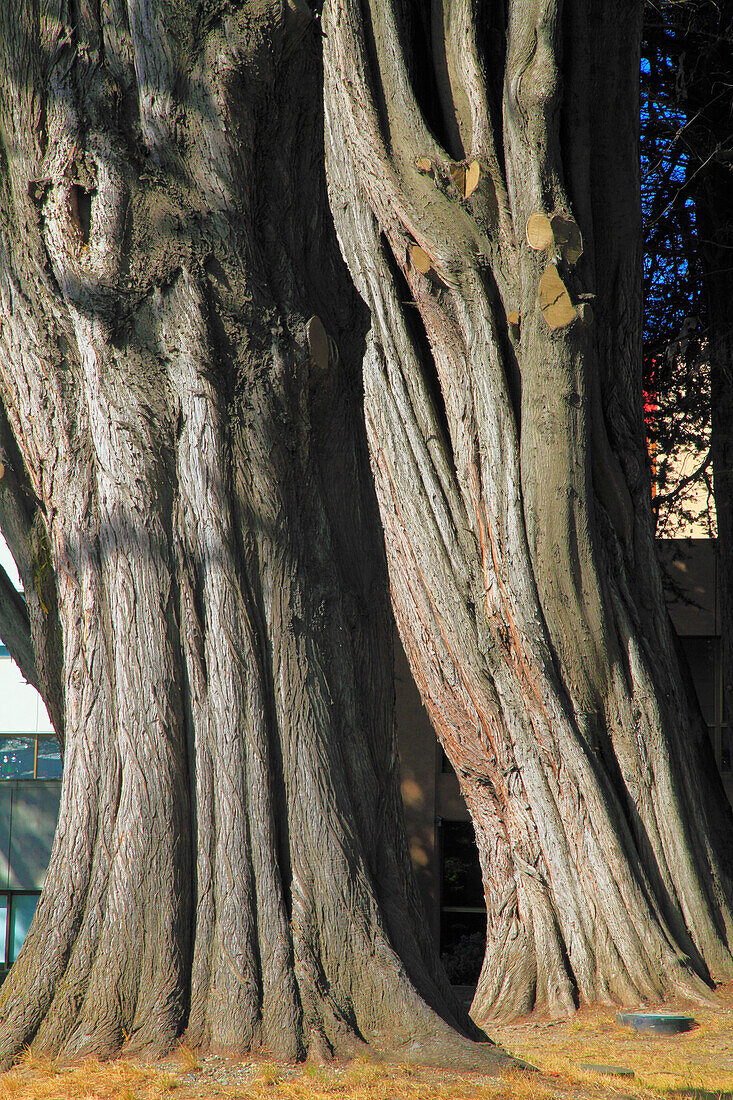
[
  {"x": 462, "y": 906},
  {"x": 16, "y": 913},
  {"x": 29, "y": 756}
]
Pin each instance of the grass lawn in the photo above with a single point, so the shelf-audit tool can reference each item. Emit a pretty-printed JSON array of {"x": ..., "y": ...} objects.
[
  {"x": 698, "y": 1062},
  {"x": 698, "y": 1065}
]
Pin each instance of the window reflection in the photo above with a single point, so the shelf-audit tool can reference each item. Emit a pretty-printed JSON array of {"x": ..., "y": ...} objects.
[
  {"x": 22, "y": 908},
  {"x": 16, "y": 913},
  {"x": 31, "y": 756}
]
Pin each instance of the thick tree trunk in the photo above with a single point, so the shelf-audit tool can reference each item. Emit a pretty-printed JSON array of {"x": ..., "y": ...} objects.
[
  {"x": 504, "y": 423},
  {"x": 230, "y": 857}
]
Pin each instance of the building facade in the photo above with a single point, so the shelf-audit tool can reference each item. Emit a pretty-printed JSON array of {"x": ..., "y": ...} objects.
[{"x": 30, "y": 787}]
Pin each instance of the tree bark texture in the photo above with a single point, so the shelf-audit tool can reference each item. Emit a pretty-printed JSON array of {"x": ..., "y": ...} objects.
[
  {"x": 230, "y": 859},
  {"x": 504, "y": 414}
]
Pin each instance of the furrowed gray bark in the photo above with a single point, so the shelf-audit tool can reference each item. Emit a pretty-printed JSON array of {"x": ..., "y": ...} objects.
[
  {"x": 230, "y": 860},
  {"x": 503, "y": 407}
]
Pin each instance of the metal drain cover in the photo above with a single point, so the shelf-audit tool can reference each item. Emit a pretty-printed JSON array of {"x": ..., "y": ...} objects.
[
  {"x": 661, "y": 1023},
  {"x": 611, "y": 1071}
]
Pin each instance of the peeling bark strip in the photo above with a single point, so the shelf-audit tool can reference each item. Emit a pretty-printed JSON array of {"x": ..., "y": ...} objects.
[
  {"x": 191, "y": 503},
  {"x": 513, "y": 486}
]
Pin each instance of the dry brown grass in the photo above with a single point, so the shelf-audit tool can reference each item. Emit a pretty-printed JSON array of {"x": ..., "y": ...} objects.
[
  {"x": 699, "y": 1063},
  {"x": 227, "y": 1079},
  {"x": 37, "y": 1078}
]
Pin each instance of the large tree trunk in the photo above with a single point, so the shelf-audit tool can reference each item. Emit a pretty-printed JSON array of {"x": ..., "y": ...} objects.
[
  {"x": 230, "y": 857},
  {"x": 505, "y": 427}
]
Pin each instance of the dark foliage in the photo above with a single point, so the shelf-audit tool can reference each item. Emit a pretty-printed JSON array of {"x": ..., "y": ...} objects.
[{"x": 686, "y": 137}]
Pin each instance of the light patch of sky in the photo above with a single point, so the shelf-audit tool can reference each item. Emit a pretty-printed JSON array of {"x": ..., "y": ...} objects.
[
  {"x": 21, "y": 707},
  {"x": 6, "y": 561}
]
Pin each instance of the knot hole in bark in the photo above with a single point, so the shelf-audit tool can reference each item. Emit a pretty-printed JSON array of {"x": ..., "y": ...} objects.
[{"x": 80, "y": 205}]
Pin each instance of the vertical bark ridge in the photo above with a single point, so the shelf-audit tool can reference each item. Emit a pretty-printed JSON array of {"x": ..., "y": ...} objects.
[
  {"x": 244, "y": 874},
  {"x": 329, "y": 782}
]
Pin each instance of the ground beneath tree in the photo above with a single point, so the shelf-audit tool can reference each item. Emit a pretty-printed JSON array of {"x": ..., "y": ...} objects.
[{"x": 696, "y": 1065}]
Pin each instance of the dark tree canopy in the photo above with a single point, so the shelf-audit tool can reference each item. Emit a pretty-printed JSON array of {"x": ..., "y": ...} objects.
[{"x": 686, "y": 143}]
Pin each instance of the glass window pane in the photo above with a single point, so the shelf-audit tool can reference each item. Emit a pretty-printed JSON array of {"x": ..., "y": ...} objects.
[
  {"x": 3, "y": 927},
  {"x": 17, "y": 757},
  {"x": 462, "y": 946},
  {"x": 701, "y": 654},
  {"x": 22, "y": 908},
  {"x": 49, "y": 758},
  {"x": 462, "y": 884}
]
